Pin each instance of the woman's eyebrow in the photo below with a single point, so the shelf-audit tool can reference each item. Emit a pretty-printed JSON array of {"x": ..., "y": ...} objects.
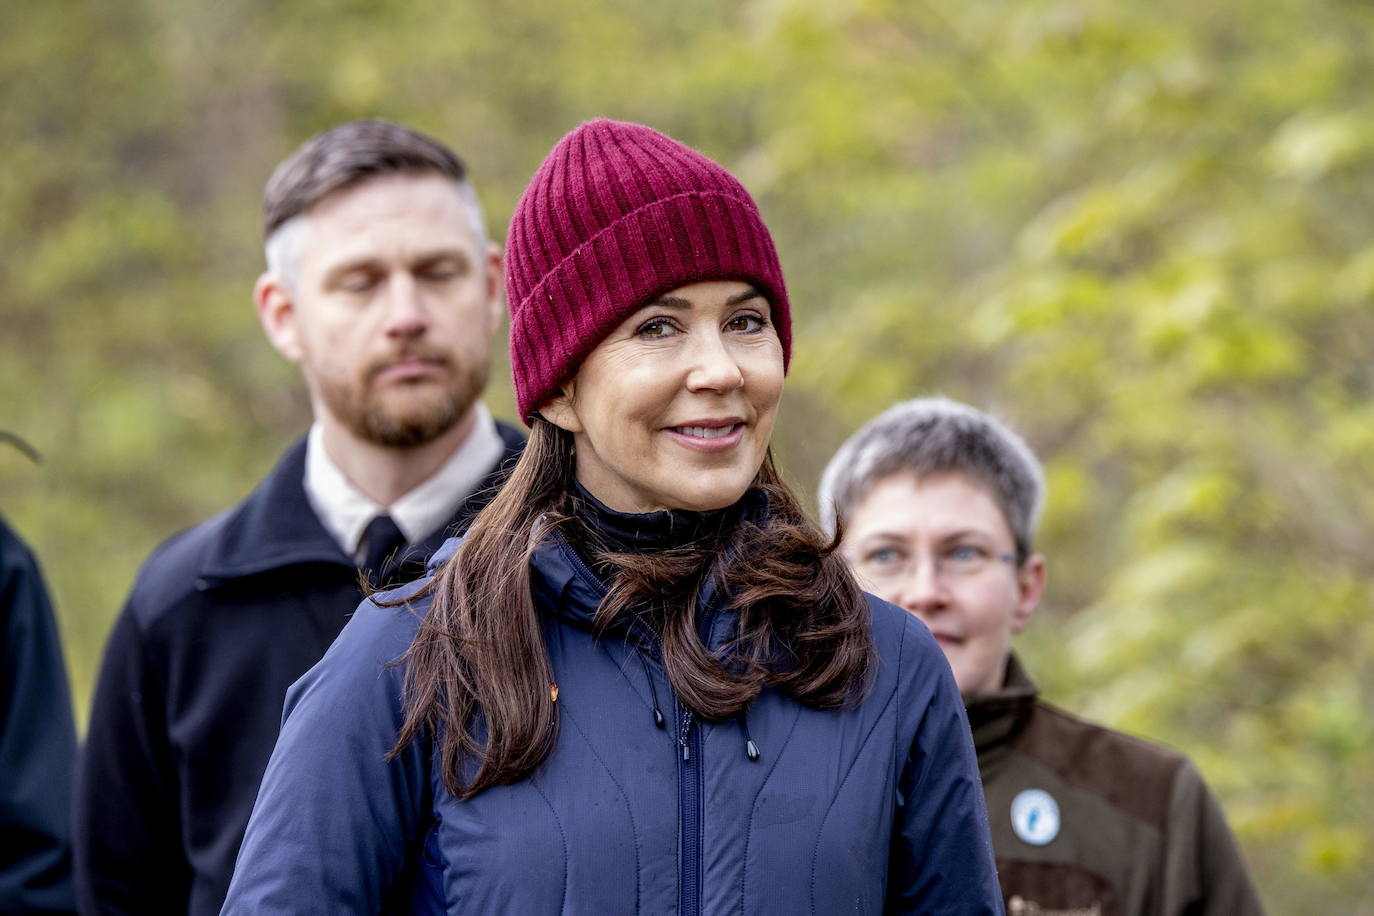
[
  {"x": 883, "y": 536},
  {"x": 675, "y": 302},
  {"x": 963, "y": 533},
  {"x": 678, "y": 302}
]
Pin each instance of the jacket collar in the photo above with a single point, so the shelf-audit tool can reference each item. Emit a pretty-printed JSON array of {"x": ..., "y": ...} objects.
[
  {"x": 560, "y": 582},
  {"x": 998, "y": 716},
  {"x": 275, "y": 527},
  {"x": 564, "y": 585}
]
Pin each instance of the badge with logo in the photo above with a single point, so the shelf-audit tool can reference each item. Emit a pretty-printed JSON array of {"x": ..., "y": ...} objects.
[{"x": 1035, "y": 816}]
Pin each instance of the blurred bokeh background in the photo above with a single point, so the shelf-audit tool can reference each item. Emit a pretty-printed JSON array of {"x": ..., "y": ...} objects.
[{"x": 1142, "y": 231}]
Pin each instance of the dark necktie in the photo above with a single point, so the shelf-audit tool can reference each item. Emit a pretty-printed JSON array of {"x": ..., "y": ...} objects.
[{"x": 382, "y": 541}]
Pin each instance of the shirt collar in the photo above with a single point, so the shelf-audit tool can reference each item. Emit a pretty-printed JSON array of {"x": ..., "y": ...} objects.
[
  {"x": 420, "y": 512},
  {"x": 345, "y": 511}
]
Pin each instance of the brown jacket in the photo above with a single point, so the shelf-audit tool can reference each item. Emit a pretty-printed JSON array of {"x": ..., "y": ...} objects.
[{"x": 1087, "y": 821}]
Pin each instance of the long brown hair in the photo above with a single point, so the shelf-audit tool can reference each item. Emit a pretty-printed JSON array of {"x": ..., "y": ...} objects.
[{"x": 478, "y": 674}]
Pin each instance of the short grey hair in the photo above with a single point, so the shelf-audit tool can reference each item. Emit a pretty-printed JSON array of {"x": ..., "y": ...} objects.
[{"x": 933, "y": 436}]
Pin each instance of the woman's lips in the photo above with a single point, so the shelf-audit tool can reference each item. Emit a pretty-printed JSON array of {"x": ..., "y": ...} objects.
[{"x": 708, "y": 436}]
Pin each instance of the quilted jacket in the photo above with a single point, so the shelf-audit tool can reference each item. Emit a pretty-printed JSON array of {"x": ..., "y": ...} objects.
[{"x": 871, "y": 809}]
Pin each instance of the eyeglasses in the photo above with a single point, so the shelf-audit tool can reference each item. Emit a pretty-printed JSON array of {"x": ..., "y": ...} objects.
[{"x": 958, "y": 561}]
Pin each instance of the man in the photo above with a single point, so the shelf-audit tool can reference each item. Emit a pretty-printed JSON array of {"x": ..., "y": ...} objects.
[
  {"x": 382, "y": 286},
  {"x": 37, "y": 741},
  {"x": 938, "y": 505}
]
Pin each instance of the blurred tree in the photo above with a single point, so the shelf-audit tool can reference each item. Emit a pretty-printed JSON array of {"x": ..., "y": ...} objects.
[{"x": 1141, "y": 231}]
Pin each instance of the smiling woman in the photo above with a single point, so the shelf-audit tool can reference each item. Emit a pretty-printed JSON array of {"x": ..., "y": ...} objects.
[{"x": 644, "y": 682}]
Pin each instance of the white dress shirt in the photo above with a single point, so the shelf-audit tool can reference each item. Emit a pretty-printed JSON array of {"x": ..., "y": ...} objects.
[{"x": 345, "y": 511}]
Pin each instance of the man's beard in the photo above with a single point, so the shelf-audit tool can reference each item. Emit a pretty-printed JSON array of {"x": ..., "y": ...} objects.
[{"x": 398, "y": 418}]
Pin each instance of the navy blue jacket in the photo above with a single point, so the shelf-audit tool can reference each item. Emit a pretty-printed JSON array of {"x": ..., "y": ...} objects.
[
  {"x": 37, "y": 742},
  {"x": 220, "y": 622},
  {"x": 874, "y": 809}
]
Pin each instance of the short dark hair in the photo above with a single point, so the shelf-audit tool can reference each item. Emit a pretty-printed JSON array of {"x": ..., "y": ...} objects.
[
  {"x": 346, "y": 155},
  {"x": 933, "y": 436}
]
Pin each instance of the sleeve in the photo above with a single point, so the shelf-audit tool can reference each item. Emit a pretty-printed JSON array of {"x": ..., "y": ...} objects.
[
  {"x": 129, "y": 855},
  {"x": 336, "y": 823},
  {"x": 37, "y": 743},
  {"x": 1204, "y": 871},
  {"x": 941, "y": 861}
]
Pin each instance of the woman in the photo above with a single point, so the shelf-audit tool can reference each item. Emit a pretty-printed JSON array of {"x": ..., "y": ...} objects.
[
  {"x": 939, "y": 503},
  {"x": 643, "y": 683}
]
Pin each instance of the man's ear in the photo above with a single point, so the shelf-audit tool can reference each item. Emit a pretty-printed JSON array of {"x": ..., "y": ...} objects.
[
  {"x": 561, "y": 411},
  {"x": 496, "y": 284},
  {"x": 1030, "y": 585},
  {"x": 277, "y": 314}
]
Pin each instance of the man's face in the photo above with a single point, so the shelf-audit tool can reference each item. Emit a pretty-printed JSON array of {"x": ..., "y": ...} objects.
[
  {"x": 940, "y": 547},
  {"x": 389, "y": 309}
]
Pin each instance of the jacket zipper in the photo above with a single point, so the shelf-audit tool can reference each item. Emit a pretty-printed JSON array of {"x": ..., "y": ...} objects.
[
  {"x": 689, "y": 795},
  {"x": 689, "y": 816}
]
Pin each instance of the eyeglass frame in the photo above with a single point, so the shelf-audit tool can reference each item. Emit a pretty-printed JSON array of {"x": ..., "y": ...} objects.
[{"x": 943, "y": 569}]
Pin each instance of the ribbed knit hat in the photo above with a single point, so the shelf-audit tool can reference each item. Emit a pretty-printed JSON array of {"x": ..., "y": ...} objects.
[{"x": 617, "y": 215}]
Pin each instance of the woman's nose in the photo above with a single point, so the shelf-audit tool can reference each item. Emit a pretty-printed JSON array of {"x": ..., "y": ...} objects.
[
  {"x": 922, "y": 590},
  {"x": 713, "y": 367}
]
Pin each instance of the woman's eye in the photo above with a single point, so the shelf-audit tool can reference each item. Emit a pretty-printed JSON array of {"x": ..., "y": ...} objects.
[
  {"x": 656, "y": 327},
  {"x": 883, "y": 556},
  {"x": 966, "y": 554},
  {"x": 747, "y": 321}
]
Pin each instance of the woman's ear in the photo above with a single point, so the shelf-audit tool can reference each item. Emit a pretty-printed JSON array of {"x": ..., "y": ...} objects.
[
  {"x": 1030, "y": 586},
  {"x": 561, "y": 411}
]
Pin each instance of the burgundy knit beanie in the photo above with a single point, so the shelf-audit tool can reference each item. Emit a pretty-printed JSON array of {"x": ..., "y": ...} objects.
[{"x": 617, "y": 215}]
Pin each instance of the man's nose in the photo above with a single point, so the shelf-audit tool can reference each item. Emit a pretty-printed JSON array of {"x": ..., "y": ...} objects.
[{"x": 406, "y": 311}]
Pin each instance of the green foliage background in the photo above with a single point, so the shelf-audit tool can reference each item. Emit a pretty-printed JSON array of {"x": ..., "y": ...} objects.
[{"x": 1141, "y": 230}]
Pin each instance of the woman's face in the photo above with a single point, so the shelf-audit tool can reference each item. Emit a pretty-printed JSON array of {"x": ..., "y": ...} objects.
[
  {"x": 940, "y": 546},
  {"x": 675, "y": 407}
]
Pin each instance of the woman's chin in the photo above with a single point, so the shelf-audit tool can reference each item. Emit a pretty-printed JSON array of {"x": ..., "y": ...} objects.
[
  {"x": 679, "y": 488},
  {"x": 708, "y": 497},
  {"x": 707, "y": 505}
]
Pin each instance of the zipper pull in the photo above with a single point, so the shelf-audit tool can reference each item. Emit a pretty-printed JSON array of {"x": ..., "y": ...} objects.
[
  {"x": 684, "y": 737},
  {"x": 658, "y": 718}
]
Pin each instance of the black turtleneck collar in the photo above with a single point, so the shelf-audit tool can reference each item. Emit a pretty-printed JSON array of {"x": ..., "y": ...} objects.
[
  {"x": 623, "y": 532},
  {"x": 997, "y": 717}
]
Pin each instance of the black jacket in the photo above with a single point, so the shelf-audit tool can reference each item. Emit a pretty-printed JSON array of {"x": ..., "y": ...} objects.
[
  {"x": 37, "y": 742},
  {"x": 221, "y": 620}
]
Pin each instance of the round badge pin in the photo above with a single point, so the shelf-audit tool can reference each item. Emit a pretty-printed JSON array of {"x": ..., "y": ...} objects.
[{"x": 1035, "y": 816}]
